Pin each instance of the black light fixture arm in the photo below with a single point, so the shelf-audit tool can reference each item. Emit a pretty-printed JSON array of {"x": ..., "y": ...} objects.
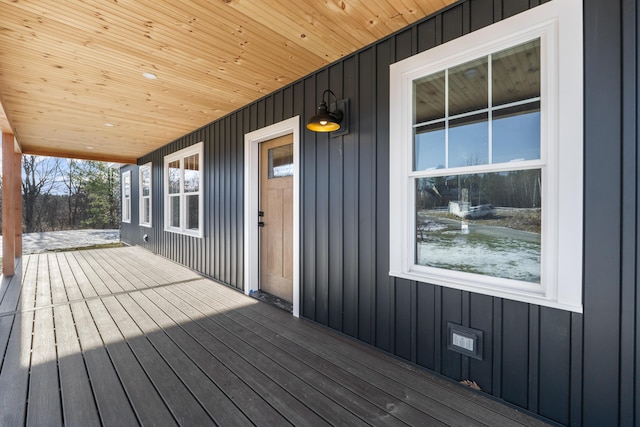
[{"x": 337, "y": 112}]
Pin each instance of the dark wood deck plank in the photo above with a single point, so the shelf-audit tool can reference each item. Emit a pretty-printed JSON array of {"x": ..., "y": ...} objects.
[
  {"x": 112, "y": 401},
  {"x": 218, "y": 405},
  {"x": 389, "y": 373},
  {"x": 159, "y": 270},
  {"x": 58, "y": 291},
  {"x": 43, "y": 285},
  {"x": 11, "y": 287},
  {"x": 79, "y": 277},
  {"x": 144, "y": 398},
  {"x": 44, "y": 389},
  {"x": 14, "y": 376},
  {"x": 322, "y": 405},
  {"x": 120, "y": 270},
  {"x": 112, "y": 278},
  {"x": 185, "y": 407},
  {"x": 276, "y": 394},
  {"x": 6, "y": 323},
  {"x": 87, "y": 275},
  {"x": 71, "y": 287},
  {"x": 27, "y": 298},
  {"x": 78, "y": 403},
  {"x": 133, "y": 338},
  {"x": 315, "y": 367},
  {"x": 328, "y": 379},
  {"x": 247, "y": 401}
]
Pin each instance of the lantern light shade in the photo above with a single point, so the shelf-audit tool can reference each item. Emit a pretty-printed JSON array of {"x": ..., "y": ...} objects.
[{"x": 325, "y": 120}]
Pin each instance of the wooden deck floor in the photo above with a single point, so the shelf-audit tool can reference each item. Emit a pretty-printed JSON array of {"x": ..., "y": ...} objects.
[{"x": 124, "y": 337}]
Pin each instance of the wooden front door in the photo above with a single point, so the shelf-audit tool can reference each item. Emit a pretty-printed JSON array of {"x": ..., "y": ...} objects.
[{"x": 276, "y": 204}]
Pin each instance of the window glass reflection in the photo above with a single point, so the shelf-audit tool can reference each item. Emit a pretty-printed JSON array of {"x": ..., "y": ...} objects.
[
  {"x": 468, "y": 87},
  {"x": 146, "y": 182},
  {"x": 469, "y": 141},
  {"x": 145, "y": 211},
  {"x": 175, "y": 211},
  {"x": 281, "y": 161},
  {"x": 429, "y": 147},
  {"x": 428, "y": 98},
  {"x": 174, "y": 177},
  {"x": 516, "y": 73},
  {"x": 191, "y": 174},
  {"x": 485, "y": 224},
  {"x": 516, "y": 133},
  {"x": 192, "y": 212}
]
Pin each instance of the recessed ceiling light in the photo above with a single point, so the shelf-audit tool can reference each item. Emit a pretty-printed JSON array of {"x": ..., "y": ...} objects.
[
  {"x": 109, "y": 125},
  {"x": 149, "y": 76}
]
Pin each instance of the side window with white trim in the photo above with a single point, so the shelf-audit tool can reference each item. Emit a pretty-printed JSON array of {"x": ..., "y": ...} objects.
[
  {"x": 145, "y": 195},
  {"x": 183, "y": 191},
  {"x": 126, "y": 196}
]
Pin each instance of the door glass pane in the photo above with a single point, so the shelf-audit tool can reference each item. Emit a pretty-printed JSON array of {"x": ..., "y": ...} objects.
[
  {"x": 428, "y": 98},
  {"x": 191, "y": 174},
  {"x": 469, "y": 141},
  {"x": 174, "y": 214},
  {"x": 429, "y": 147},
  {"x": 516, "y": 73},
  {"x": 192, "y": 212},
  {"x": 468, "y": 87},
  {"x": 485, "y": 224},
  {"x": 174, "y": 177},
  {"x": 281, "y": 161}
]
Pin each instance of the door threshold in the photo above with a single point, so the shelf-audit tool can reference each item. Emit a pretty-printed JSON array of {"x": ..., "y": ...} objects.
[{"x": 273, "y": 300}]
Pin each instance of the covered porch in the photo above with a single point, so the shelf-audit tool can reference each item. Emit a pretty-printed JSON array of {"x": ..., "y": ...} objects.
[{"x": 124, "y": 337}]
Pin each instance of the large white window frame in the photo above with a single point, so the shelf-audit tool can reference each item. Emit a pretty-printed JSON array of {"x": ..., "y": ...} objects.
[
  {"x": 126, "y": 196},
  {"x": 182, "y": 194},
  {"x": 558, "y": 25},
  {"x": 145, "y": 199}
]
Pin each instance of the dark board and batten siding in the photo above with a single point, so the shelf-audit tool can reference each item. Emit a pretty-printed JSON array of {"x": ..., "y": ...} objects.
[{"x": 569, "y": 368}]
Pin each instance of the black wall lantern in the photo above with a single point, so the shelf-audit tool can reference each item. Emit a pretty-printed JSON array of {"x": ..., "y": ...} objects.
[{"x": 329, "y": 121}]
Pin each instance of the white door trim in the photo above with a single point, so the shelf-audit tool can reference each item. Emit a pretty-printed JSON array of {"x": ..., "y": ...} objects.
[{"x": 252, "y": 142}]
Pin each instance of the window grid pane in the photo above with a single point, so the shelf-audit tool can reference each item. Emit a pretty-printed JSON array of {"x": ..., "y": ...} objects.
[
  {"x": 174, "y": 177},
  {"x": 174, "y": 211},
  {"x": 191, "y": 174},
  {"x": 146, "y": 217},
  {"x": 192, "y": 212},
  {"x": 491, "y": 113}
]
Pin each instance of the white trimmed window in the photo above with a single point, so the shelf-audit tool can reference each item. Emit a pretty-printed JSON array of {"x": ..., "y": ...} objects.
[
  {"x": 145, "y": 195},
  {"x": 126, "y": 196},
  {"x": 486, "y": 160},
  {"x": 183, "y": 191}
]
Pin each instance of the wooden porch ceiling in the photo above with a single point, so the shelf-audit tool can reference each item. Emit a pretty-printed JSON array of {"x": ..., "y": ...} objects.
[{"x": 71, "y": 73}]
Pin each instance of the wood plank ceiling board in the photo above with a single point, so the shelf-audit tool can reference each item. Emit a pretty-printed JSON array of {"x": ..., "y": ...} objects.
[{"x": 71, "y": 73}]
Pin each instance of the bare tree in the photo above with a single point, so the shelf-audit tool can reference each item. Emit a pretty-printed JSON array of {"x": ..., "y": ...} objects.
[{"x": 39, "y": 177}]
